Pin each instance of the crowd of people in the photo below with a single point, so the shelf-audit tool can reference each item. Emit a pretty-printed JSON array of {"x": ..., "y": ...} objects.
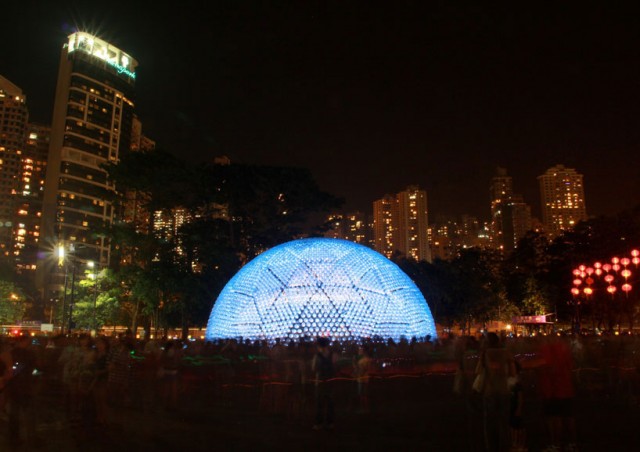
[{"x": 94, "y": 378}]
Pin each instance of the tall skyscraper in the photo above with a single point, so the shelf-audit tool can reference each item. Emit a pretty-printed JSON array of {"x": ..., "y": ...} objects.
[
  {"x": 401, "y": 224},
  {"x": 28, "y": 212},
  {"x": 14, "y": 119},
  {"x": 384, "y": 224},
  {"x": 92, "y": 125},
  {"x": 510, "y": 215},
  {"x": 413, "y": 224},
  {"x": 562, "y": 199}
]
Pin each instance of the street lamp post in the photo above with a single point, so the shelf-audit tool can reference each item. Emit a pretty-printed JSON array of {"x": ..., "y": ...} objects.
[{"x": 94, "y": 276}]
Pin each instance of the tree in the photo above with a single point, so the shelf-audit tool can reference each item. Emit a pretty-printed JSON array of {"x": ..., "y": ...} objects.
[{"x": 13, "y": 304}]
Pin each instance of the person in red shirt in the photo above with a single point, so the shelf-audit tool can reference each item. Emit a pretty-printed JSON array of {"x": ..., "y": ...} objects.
[{"x": 556, "y": 389}]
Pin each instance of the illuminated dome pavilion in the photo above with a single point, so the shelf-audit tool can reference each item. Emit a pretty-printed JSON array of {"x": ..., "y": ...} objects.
[{"x": 320, "y": 287}]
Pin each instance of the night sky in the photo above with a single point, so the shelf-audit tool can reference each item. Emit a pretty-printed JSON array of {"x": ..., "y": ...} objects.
[{"x": 371, "y": 99}]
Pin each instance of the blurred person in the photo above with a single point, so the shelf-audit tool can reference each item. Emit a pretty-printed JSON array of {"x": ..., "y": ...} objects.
[
  {"x": 516, "y": 421},
  {"x": 495, "y": 365},
  {"x": 556, "y": 389},
  {"x": 362, "y": 365},
  {"x": 323, "y": 366},
  {"x": 21, "y": 392},
  {"x": 168, "y": 372},
  {"x": 100, "y": 378}
]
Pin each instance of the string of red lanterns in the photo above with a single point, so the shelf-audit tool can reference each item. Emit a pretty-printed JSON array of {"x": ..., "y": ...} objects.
[{"x": 583, "y": 275}]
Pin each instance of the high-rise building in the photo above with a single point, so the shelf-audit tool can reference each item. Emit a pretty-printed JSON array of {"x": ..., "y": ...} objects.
[
  {"x": 562, "y": 199},
  {"x": 28, "y": 212},
  {"x": 92, "y": 125},
  {"x": 352, "y": 226},
  {"x": 401, "y": 224},
  {"x": 384, "y": 224},
  {"x": 510, "y": 215},
  {"x": 413, "y": 224},
  {"x": 14, "y": 118}
]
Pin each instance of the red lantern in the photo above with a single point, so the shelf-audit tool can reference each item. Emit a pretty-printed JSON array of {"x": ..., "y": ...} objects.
[
  {"x": 588, "y": 290},
  {"x": 597, "y": 265},
  {"x": 615, "y": 267},
  {"x": 589, "y": 281},
  {"x": 609, "y": 278},
  {"x": 575, "y": 291},
  {"x": 606, "y": 267},
  {"x": 635, "y": 253},
  {"x": 576, "y": 272},
  {"x": 626, "y": 287},
  {"x": 625, "y": 273},
  {"x": 589, "y": 271},
  {"x": 611, "y": 289},
  {"x": 598, "y": 271},
  {"x": 582, "y": 267},
  {"x": 577, "y": 282},
  {"x": 615, "y": 260},
  {"x": 625, "y": 261},
  {"x": 636, "y": 260}
]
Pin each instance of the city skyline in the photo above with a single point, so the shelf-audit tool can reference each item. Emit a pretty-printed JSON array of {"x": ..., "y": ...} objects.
[{"x": 370, "y": 100}]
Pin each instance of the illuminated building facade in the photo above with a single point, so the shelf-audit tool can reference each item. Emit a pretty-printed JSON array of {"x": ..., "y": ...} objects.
[
  {"x": 401, "y": 224},
  {"x": 384, "y": 225},
  {"x": 14, "y": 118},
  {"x": 510, "y": 215},
  {"x": 413, "y": 224},
  {"x": 353, "y": 227},
  {"x": 92, "y": 125},
  {"x": 28, "y": 219},
  {"x": 320, "y": 287},
  {"x": 562, "y": 199}
]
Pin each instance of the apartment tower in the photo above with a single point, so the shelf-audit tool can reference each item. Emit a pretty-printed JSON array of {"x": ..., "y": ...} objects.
[{"x": 562, "y": 199}]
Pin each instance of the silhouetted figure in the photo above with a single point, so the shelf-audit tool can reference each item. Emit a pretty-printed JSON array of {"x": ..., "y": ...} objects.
[
  {"x": 323, "y": 366},
  {"x": 21, "y": 392}
]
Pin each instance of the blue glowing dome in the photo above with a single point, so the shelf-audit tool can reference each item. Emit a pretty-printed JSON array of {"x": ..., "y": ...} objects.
[{"x": 320, "y": 287}]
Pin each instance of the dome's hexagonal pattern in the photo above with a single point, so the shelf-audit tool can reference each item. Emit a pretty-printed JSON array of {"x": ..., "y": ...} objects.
[{"x": 320, "y": 287}]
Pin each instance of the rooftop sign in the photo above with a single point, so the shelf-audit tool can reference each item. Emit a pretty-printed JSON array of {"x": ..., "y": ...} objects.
[{"x": 113, "y": 56}]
